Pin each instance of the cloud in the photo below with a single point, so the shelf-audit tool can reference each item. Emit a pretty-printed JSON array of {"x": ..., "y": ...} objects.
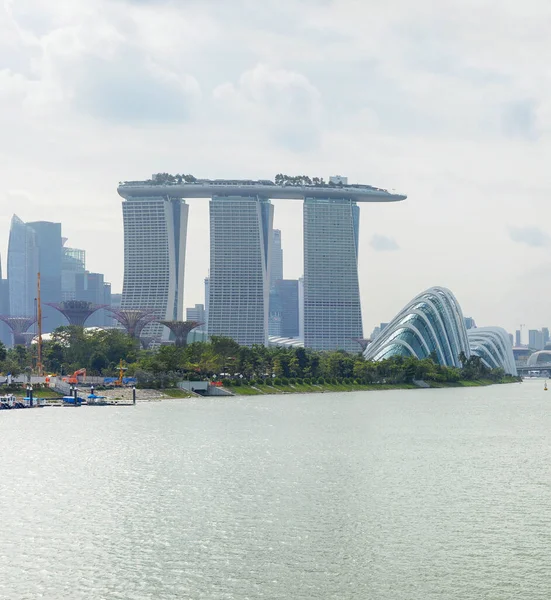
[
  {"x": 383, "y": 243},
  {"x": 530, "y": 236},
  {"x": 281, "y": 101}
]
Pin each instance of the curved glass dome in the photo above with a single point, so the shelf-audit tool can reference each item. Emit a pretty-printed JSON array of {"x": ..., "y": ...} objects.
[
  {"x": 493, "y": 346},
  {"x": 543, "y": 357},
  {"x": 432, "y": 323}
]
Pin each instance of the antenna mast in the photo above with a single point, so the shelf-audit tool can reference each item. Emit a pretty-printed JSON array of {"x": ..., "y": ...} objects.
[{"x": 39, "y": 326}]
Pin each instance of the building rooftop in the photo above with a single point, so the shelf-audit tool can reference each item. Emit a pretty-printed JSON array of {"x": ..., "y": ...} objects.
[{"x": 205, "y": 188}]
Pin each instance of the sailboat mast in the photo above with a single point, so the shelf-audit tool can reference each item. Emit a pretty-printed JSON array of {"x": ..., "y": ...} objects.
[{"x": 39, "y": 326}]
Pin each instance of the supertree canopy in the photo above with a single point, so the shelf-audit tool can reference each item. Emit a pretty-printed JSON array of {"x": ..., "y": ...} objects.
[
  {"x": 134, "y": 319},
  {"x": 181, "y": 329},
  {"x": 19, "y": 326},
  {"x": 76, "y": 311},
  {"x": 363, "y": 342}
]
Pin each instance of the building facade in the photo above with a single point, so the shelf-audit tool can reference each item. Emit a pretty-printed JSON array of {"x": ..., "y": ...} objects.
[
  {"x": 276, "y": 272},
  {"x": 49, "y": 245},
  {"x": 332, "y": 309},
  {"x": 197, "y": 313},
  {"x": 155, "y": 231},
  {"x": 73, "y": 262},
  {"x": 239, "y": 276},
  {"x": 288, "y": 295},
  {"x": 22, "y": 269}
]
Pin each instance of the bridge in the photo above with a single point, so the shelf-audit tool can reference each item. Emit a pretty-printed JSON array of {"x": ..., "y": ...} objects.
[{"x": 543, "y": 368}]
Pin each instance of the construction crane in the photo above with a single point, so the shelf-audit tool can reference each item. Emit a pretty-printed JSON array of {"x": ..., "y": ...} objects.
[
  {"x": 122, "y": 369},
  {"x": 39, "y": 327}
]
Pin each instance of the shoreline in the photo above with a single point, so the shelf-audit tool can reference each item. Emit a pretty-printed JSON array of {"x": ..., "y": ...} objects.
[{"x": 302, "y": 388}]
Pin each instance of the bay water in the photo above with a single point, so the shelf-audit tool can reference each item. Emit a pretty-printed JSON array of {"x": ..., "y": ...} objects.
[{"x": 394, "y": 495}]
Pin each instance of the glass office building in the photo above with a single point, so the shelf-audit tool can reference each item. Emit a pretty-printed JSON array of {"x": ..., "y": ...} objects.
[{"x": 22, "y": 268}]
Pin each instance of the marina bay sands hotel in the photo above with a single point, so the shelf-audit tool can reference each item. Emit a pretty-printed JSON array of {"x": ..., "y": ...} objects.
[{"x": 155, "y": 218}]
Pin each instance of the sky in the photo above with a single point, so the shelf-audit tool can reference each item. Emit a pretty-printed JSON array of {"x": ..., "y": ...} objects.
[{"x": 448, "y": 102}]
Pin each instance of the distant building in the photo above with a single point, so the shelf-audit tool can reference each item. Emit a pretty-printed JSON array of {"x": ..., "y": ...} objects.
[
  {"x": 197, "y": 313},
  {"x": 301, "y": 308},
  {"x": 73, "y": 261},
  {"x": 49, "y": 244},
  {"x": 518, "y": 338},
  {"x": 276, "y": 272},
  {"x": 469, "y": 323},
  {"x": 276, "y": 275},
  {"x": 275, "y": 313},
  {"x": 511, "y": 339},
  {"x": 338, "y": 180},
  {"x": 545, "y": 334},
  {"x": 91, "y": 287},
  {"x": 5, "y": 333},
  {"x": 535, "y": 339},
  {"x": 22, "y": 268},
  {"x": 205, "y": 327},
  {"x": 288, "y": 295}
]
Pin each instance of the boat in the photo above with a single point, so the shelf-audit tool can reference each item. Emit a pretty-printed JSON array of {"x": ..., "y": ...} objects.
[
  {"x": 545, "y": 386},
  {"x": 8, "y": 401}
]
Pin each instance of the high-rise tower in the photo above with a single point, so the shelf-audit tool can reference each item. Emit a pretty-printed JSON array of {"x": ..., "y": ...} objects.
[
  {"x": 22, "y": 268},
  {"x": 155, "y": 230},
  {"x": 240, "y": 255},
  {"x": 276, "y": 272},
  {"x": 332, "y": 310},
  {"x": 49, "y": 244}
]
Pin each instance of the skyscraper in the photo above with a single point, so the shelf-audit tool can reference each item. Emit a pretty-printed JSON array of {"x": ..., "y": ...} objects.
[
  {"x": 240, "y": 255},
  {"x": 276, "y": 272},
  {"x": 155, "y": 230},
  {"x": 48, "y": 242},
  {"x": 518, "y": 341},
  {"x": 197, "y": 313},
  {"x": 22, "y": 268},
  {"x": 332, "y": 310},
  {"x": 73, "y": 261},
  {"x": 207, "y": 294},
  {"x": 5, "y": 334},
  {"x": 535, "y": 339},
  {"x": 288, "y": 294}
]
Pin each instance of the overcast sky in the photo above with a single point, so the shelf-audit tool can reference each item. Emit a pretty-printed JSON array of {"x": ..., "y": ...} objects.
[{"x": 448, "y": 101}]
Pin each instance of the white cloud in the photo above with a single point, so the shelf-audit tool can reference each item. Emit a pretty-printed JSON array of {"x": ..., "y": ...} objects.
[
  {"x": 283, "y": 102},
  {"x": 383, "y": 243}
]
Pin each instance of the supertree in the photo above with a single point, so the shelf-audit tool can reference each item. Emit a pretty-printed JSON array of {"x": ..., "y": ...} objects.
[
  {"x": 363, "y": 342},
  {"x": 76, "y": 311},
  {"x": 18, "y": 326},
  {"x": 133, "y": 319},
  {"x": 181, "y": 329},
  {"x": 146, "y": 341}
]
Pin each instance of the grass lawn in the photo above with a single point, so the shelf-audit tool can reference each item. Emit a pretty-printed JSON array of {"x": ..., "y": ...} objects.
[{"x": 177, "y": 393}]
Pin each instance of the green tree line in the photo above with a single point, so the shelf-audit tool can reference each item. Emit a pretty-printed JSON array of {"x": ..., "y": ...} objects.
[{"x": 100, "y": 351}]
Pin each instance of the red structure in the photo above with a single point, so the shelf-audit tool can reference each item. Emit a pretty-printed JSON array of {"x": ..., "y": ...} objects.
[
  {"x": 181, "y": 329},
  {"x": 76, "y": 311},
  {"x": 19, "y": 326}
]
